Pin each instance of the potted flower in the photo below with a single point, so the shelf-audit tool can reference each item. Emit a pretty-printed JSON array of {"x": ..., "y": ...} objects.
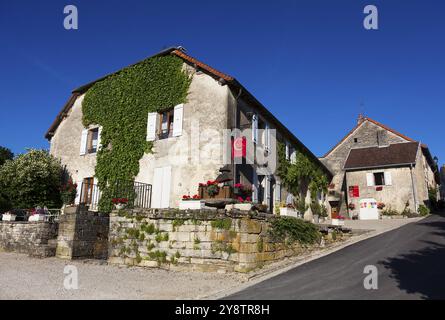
[
  {"x": 287, "y": 210},
  {"x": 68, "y": 192},
  {"x": 238, "y": 188},
  {"x": 315, "y": 209},
  {"x": 212, "y": 188},
  {"x": 193, "y": 203},
  {"x": 120, "y": 203},
  {"x": 243, "y": 204},
  {"x": 323, "y": 213},
  {"x": 338, "y": 221},
  {"x": 37, "y": 214},
  {"x": 9, "y": 216}
]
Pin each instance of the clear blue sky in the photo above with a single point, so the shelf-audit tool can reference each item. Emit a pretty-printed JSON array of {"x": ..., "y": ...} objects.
[{"x": 310, "y": 62}]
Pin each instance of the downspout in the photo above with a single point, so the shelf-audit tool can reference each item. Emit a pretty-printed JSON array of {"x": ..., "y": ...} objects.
[
  {"x": 413, "y": 187},
  {"x": 234, "y": 126}
]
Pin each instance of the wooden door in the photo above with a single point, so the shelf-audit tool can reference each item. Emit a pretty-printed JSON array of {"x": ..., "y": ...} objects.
[{"x": 87, "y": 192}]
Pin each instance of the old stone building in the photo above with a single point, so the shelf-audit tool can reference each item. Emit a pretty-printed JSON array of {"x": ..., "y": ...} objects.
[
  {"x": 377, "y": 162},
  {"x": 189, "y": 143}
]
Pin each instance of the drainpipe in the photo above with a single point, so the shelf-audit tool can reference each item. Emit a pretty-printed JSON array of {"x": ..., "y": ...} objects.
[
  {"x": 234, "y": 126},
  {"x": 414, "y": 187}
]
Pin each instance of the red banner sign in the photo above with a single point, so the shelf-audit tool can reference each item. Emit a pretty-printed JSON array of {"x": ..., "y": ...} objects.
[
  {"x": 239, "y": 146},
  {"x": 354, "y": 192}
]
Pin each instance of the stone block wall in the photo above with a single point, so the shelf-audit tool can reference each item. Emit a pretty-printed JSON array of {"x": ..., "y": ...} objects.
[
  {"x": 198, "y": 240},
  {"x": 83, "y": 235},
  {"x": 34, "y": 238}
]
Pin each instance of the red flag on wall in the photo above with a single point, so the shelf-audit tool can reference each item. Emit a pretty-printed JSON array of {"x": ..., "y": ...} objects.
[{"x": 239, "y": 147}]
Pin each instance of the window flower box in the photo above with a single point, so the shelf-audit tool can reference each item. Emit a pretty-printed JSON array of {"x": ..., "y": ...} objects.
[
  {"x": 9, "y": 217},
  {"x": 243, "y": 206},
  {"x": 191, "y": 204},
  {"x": 338, "y": 222},
  {"x": 120, "y": 203}
]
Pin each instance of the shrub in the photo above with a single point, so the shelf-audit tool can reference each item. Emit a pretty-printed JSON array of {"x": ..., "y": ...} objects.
[
  {"x": 68, "y": 192},
  {"x": 423, "y": 210},
  {"x": 441, "y": 204},
  {"x": 5, "y": 205},
  {"x": 315, "y": 208},
  {"x": 323, "y": 211},
  {"x": 301, "y": 205},
  {"x": 5, "y": 154},
  {"x": 32, "y": 179},
  {"x": 432, "y": 197},
  {"x": 294, "y": 230},
  {"x": 390, "y": 212}
]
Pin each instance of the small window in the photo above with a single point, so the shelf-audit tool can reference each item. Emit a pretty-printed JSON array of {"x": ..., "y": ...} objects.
[
  {"x": 379, "y": 179},
  {"x": 166, "y": 124},
  {"x": 92, "y": 140},
  {"x": 87, "y": 190},
  {"x": 355, "y": 140}
]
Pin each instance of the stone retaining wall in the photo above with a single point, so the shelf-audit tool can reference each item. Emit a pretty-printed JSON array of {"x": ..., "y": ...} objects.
[
  {"x": 200, "y": 240},
  {"x": 83, "y": 234},
  {"x": 34, "y": 238}
]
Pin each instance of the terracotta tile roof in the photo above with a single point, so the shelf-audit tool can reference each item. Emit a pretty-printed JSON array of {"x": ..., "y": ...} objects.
[
  {"x": 202, "y": 65},
  {"x": 359, "y": 124},
  {"x": 395, "y": 154}
]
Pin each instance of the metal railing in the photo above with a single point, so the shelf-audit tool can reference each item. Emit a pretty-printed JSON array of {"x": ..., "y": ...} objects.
[
  {"x": 53, "y": 215},
  {"x": 137, "y": 193}
]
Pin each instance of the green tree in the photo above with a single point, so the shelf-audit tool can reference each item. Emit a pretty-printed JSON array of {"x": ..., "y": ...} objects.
[
  {"x": 32, "y": 179},
  {"x": 5, "y": 154}
]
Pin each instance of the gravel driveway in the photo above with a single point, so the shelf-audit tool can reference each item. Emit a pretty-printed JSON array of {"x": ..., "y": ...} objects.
[{"x": 22, "y": 277}]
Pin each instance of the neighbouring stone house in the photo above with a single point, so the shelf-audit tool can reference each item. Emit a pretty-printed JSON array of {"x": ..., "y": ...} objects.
[
  {"x": 188, "y": 140},
  {"x": 374, "y": 161}
]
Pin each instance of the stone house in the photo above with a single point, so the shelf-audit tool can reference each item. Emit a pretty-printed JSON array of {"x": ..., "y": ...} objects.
[
  {"x": 190, "y": 140},
  {"x": 375, "y": 161}
]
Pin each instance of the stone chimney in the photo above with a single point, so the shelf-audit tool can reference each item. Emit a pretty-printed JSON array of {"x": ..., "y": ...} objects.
[{"x": 360, "y": 118}]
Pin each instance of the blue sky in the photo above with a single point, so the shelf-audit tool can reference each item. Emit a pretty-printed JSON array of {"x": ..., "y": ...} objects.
[{"x": 310, "y": 62}]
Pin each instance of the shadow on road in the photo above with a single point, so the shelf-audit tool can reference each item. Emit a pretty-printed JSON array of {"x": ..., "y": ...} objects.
[{"x": 422, "y": 271}]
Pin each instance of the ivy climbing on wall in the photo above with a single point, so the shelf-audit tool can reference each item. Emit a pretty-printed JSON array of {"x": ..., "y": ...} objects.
[
  {"x": 120, "y": 105},
  {"x": 301, "y": 174}
]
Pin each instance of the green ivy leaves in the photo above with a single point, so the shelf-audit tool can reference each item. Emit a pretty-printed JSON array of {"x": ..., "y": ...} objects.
[
  {"x": 120, "y": 104},
  {"x": 302, "y": 172}
]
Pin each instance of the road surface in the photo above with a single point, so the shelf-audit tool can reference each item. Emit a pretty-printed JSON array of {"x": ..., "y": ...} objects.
[{"x": 410, "y": 262}]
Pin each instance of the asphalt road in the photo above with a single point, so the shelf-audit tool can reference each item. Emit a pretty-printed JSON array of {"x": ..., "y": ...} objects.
[{"x": 410, "y": 263}]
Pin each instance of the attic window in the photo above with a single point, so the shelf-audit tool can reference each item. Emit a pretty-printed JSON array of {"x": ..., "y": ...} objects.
[{"x": 355, "y": 140}]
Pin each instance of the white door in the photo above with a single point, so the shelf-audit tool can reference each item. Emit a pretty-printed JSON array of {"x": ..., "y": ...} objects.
[
  {"x": 161, "y": 188},
  {"x": 166, "y": 181}
]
